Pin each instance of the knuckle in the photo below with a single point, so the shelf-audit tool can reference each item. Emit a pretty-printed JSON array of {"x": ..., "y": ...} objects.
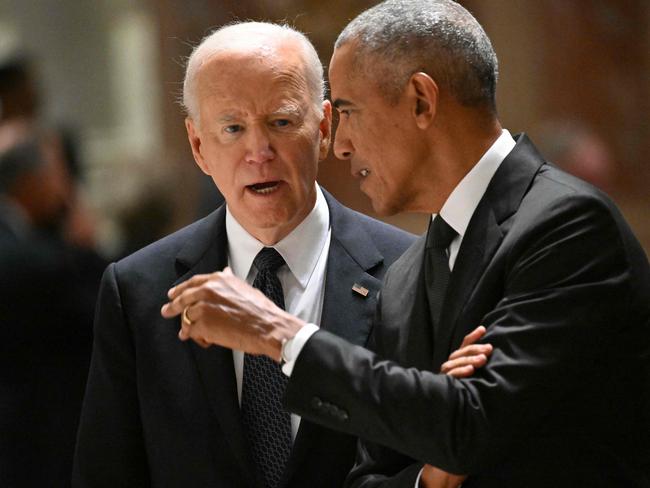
[{"x": 200, "y": 310}]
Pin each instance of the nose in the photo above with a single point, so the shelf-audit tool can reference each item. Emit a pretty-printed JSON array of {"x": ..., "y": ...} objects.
[
  {"x": 258, "y": 146},
  {"x": 343, "y": 148}
]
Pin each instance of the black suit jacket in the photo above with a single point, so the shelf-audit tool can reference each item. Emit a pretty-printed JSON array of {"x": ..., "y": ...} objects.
[
  {"x": 160, "y": 412},
  {"x": 549, "y": 266},
  {"x": 47, "y": 299}
]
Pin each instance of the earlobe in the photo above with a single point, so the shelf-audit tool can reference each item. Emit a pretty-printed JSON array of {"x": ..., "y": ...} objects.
[
  {"x": 424, "y": 92},
  {"x": 195, "y": 143}
]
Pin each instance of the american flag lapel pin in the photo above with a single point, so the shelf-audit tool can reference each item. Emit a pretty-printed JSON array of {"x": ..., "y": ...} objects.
[{"x": 360, "y": 289}]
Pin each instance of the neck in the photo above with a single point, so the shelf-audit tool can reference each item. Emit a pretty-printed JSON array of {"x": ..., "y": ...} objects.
[{"x": 459, "y": 143}]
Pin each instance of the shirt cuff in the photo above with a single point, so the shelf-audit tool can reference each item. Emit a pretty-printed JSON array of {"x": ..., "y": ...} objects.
[
  {"x": 417, "y": 480},
  {"x": 293, "y": 346}
]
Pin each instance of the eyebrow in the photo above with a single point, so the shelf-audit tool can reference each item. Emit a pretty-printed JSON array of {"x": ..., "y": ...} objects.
[
  {"x": 227, "y": 118},
  {"x": 341, "y": 102}
]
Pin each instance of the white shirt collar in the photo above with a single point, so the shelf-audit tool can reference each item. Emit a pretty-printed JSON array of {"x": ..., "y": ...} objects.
[
  {"x": 463, "y": 200},
  {"x": 300, "y": 249}
]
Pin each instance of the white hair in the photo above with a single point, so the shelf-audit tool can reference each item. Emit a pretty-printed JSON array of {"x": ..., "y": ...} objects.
[{"x": 229, "y": 36}]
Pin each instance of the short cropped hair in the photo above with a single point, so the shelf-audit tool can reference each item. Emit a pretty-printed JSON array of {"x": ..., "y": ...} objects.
[
  {"x": 219, "y": 40},
  {"x": 397, "y": 38}
]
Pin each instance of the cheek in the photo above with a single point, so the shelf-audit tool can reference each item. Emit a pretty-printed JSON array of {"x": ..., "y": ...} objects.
[{"x": 222, "y": 167}]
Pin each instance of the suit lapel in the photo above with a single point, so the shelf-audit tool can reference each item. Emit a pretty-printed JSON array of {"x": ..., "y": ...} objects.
[
  {"x": 346, "y": 313},
  {"x": 483, "y": 237},
  {"x": 207, "y": 252},
  {"x": 414, "y": 306}
]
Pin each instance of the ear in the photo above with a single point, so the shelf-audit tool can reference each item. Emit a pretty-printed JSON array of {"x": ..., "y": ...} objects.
[
  {"x": 424, "y": 95},
  {"x": 325, "y": 129},
  {"x": 194, "y": 137}
]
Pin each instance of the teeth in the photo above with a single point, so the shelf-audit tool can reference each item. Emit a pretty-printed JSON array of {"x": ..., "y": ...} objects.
[
  {"x": 266, "y": 190},
  {"x": 364, "y": 172}
]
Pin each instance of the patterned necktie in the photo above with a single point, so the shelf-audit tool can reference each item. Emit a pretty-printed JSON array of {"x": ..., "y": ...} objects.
[
  {"x": 267, "y": 424},
  {"x": 436, "y": 270}
]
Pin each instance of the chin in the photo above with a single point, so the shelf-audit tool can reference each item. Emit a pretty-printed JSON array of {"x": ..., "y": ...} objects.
[{"x": 381, "y": 206}]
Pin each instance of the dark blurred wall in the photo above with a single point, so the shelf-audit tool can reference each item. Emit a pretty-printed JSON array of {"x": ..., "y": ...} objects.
[{"x": 578, "y": 59}]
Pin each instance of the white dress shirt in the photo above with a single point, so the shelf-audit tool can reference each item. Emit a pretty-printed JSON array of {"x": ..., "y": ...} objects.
[{"x": 305, "y": 251}]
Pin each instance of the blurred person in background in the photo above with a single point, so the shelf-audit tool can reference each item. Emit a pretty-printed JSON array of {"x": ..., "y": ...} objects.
[
  {"x": 20, "y": 105},
  {"x": 48, "y": 288},
  {"x": 578, "y": 150}
]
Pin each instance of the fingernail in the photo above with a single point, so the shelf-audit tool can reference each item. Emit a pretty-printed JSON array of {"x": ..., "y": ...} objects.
[{"x": 171, "y": 292}]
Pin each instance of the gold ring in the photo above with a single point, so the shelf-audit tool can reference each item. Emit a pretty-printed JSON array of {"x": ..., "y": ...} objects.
[{"x": 186, "y": 318}]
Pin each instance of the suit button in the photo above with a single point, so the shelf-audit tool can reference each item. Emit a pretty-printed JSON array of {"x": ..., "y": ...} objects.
[
  {"x": 316, "y": 403},
  {"x": 343, "y": 415}
]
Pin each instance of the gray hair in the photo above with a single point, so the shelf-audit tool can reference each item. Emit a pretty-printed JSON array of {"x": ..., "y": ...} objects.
[
  {"x": 222, "y": 39},
  {"x": 438, "y": 37}
]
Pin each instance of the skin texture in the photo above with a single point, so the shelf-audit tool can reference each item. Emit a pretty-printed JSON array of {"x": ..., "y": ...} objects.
[{"x": 258, "y": 125}]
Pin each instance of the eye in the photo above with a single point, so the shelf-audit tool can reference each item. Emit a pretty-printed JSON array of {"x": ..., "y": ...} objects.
[
  {"x": 344, "y": 113},
  {"x": 281, "y": 122},
  {"x": 233, "y": 129}
]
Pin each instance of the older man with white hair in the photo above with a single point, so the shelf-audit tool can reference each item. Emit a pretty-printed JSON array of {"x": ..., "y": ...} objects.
[{"x": 161, "y": 412}]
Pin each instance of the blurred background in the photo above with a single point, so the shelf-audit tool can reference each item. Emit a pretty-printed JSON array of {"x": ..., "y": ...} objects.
[{"x": 574, "y": 74}]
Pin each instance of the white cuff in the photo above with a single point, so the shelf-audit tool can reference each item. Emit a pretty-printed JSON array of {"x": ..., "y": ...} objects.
[
  {"x": 291, "y": 349},
  {"x": 417, "y": 480}
]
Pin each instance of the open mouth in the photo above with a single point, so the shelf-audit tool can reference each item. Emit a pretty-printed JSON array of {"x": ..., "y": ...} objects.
[{"x": 264, "y": 188}]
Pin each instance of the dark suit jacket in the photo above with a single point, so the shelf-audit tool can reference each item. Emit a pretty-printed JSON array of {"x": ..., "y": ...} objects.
[
  {"x": 47, "y": 299},
  {"x": 161, "y": 412},
  {"x": 549, "y": 266}
]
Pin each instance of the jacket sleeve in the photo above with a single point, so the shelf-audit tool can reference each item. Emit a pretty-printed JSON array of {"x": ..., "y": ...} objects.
[
  {"x": 568, "y": 309},
  {"x": 110, "y": 450}
]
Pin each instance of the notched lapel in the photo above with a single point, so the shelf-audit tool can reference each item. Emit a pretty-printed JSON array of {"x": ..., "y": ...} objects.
[
  {"x": 347, "y": 313},
  {"x": 206, "y": 251},
  {"x": 484, "y": 235},
  {"x": 407, "y": 314},
  {"x": 352, "y": 255}
]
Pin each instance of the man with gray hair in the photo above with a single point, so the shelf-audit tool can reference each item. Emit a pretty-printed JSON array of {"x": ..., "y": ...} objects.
[
  {"x": 160, "y": 412},
  {"x": 542, "y": 259}
]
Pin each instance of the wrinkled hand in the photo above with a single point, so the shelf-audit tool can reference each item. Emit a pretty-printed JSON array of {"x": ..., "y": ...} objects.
[
  {"x": 433, "y": 477},
  {"x": 227, "y": 311},
  {"x": 469, "y": 356}
]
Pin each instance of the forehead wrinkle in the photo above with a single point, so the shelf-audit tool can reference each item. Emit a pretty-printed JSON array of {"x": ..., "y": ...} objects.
[
  {"x": 289, "y": 107},
  {"x": 290, "y": 76},
  {"x": 287, "y": 81}
]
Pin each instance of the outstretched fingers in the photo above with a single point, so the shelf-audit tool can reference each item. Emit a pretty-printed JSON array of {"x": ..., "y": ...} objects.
[{"x": 469, "y": 356}]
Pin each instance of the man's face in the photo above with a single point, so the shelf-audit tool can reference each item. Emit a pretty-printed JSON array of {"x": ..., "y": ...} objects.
[
  {"x": 375, "y": 135},
  {"x": 260, "y": 137}
]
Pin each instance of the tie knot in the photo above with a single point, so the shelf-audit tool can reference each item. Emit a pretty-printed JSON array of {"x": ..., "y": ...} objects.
[
  {"x": 440, "y": 234},
  {"x": 268, "y": 259}
]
